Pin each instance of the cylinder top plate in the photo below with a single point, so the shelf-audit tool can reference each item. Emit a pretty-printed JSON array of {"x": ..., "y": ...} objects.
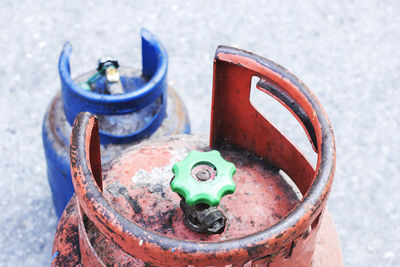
[{"x": 137, "y": 184}]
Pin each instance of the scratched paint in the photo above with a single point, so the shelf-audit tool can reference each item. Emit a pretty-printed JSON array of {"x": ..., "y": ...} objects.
[{"x": 128, "y": 212}]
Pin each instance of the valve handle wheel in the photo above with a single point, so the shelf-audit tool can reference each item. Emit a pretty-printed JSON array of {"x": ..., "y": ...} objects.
[{"x": 203, "y": 178}]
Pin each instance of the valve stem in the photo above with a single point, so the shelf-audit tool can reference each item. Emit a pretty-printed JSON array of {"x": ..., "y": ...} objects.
[
  {"x": 201, "y": 180},
  {"x": 203, "y": 218},
  {"x": 109, "y": 67}
]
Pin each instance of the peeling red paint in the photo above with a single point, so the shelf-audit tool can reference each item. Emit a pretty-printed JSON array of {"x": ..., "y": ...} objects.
[{"x": 131, "y": 222}]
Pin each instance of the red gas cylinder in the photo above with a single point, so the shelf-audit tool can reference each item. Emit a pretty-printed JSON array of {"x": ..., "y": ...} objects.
[{"x": 181, "y": 201}]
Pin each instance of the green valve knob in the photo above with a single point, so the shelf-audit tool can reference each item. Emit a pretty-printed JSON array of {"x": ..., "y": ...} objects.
[{"x": 203, "y": 178}]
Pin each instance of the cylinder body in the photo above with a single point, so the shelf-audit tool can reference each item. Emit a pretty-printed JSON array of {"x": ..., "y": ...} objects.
[
  {"x": 137, "y": 184},
  {"x": 125, "y": 213}
]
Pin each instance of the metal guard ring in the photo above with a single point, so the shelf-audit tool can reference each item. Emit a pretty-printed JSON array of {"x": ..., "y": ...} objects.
[{"x": 154, "y": 67}]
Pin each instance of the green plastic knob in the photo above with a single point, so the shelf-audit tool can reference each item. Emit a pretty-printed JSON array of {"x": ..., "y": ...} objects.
[{"x": 203, "y": 178}]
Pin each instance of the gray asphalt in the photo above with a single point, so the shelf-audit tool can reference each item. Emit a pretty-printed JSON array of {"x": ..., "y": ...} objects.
[{"x": 345, "y": 51}]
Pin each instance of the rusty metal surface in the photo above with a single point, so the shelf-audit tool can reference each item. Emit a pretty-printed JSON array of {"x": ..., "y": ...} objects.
[
  {"x": 148, "y": 245},
  {"x": 235, "y": 121},
  {"x": 66, "y": 249},
  {"x": 137, "y": 184},
  {"x": 67, "y": 244},
  {"x": 152, "y": 234}
]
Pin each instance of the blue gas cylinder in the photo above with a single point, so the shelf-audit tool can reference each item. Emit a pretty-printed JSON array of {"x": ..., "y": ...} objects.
[{"x": 131, "y": 105}]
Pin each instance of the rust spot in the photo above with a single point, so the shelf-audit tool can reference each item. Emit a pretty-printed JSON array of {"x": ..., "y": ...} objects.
[{"x": 142, "y": 219}]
